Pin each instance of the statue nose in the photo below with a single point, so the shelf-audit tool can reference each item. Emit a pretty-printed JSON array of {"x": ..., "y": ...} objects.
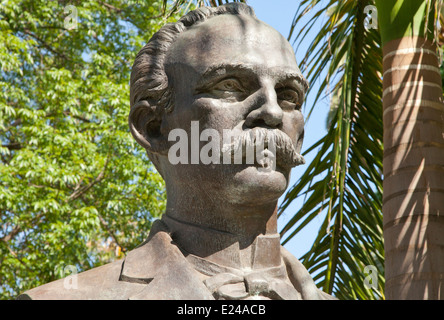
[{"x": 266, "y": 110}]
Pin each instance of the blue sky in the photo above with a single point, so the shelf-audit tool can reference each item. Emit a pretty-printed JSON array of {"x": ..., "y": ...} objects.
[{"x": 279, "y": 14}]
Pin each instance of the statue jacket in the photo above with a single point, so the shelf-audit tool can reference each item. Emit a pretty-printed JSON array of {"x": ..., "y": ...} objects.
[{"x": 158, "y": 270}]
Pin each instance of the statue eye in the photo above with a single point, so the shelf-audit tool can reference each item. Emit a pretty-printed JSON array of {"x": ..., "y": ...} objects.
[
  {"x": 289, "y": 96},
  {"x": 229, "y": 85}
]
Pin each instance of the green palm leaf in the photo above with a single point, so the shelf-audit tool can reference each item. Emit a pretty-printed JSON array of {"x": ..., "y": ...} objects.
[{"x": 344, "y": 180}]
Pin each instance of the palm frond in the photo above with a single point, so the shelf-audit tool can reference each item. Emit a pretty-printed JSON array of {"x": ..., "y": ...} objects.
[{"x": 344, "y": 181}]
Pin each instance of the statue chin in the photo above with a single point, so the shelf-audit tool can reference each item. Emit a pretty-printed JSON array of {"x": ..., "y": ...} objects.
[{"x": 252, "y": 185}]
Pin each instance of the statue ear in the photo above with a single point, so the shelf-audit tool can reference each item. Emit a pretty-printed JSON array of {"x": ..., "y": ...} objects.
[{"x": 144, "y": 123}]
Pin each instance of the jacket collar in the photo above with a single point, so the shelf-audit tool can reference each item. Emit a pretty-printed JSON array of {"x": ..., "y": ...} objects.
[{"x": 160, "y": 264}]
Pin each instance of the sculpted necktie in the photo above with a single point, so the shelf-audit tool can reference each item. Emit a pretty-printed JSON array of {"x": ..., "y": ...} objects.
[{"x": 233, "y": 284}]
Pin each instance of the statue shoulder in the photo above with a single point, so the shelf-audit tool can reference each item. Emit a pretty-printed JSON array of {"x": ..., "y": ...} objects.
[
  {"x": 156, "y": 269},
  {"x": 98, "y": 283},
  {"x": 301, "y": 278}
]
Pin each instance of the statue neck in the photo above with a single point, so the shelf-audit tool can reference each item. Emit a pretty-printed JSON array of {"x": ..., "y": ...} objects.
[{"x": 233, "y": 237}]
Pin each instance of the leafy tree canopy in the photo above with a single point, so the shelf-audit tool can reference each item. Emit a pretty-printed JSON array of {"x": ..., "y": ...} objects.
[{"x": 75, "y": 189}]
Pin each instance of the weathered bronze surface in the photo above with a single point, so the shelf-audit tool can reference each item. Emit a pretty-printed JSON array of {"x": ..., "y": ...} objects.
[{"x": 223, "y": 69}]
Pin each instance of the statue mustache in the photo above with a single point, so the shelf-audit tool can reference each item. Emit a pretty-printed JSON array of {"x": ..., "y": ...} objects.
[{"x": 272, "y": 144}]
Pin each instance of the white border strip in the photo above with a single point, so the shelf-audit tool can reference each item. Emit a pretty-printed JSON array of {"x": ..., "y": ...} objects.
[
  {"x": 409, "y": 84},
  {"x": 413, "y": 66},
  {"x": 418, "y": 103},
  {"x": 408, "y": 51}
]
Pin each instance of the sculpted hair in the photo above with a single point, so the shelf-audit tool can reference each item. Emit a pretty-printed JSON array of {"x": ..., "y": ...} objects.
[{"x": 149, "y": 82}]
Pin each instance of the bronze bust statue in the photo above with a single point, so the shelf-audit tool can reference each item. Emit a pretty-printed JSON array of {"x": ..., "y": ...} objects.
[{"x": 216, "y": 70}]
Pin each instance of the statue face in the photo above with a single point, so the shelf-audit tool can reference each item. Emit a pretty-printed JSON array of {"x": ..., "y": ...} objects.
[{"x": 234, "y": 73}]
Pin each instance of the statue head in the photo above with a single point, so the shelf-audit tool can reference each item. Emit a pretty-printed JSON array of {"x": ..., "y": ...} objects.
[{"x": 217, "y": 71}]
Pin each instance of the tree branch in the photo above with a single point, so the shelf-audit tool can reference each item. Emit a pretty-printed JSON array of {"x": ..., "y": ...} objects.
[
  {"x": 79, "y": 192},
  {"x": 10, "y": 235},
  {"x": 110, "y": 6},
  {"x": 44, "y": 44},
  {"x": 17, "y": 229},
  {"x": 13, "y": 146},
  {"x": 106, "y": 226},
  {"x": 68, "y": 113}
]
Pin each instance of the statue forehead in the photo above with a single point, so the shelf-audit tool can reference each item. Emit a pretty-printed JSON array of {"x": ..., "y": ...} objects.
[{"x": 232, "y": 39}]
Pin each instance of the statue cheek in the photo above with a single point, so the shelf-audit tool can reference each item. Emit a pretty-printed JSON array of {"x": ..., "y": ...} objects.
[
  {"x": 217, "y": 113},
  {"x": 293, "y": 126}
]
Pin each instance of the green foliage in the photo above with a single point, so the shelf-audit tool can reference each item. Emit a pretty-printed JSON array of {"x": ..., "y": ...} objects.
[
  {"x": 406, "y": 18},
  {"x": 344, "y": 181},
  {"x": 76, "y": 189}
]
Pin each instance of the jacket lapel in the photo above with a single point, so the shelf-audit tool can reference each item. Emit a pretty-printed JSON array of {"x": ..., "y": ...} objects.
[{"x": 160, "y": 265}]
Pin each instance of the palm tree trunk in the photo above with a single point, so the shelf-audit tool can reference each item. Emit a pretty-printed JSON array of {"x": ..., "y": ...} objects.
[{"x": 413, "y": 205}]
